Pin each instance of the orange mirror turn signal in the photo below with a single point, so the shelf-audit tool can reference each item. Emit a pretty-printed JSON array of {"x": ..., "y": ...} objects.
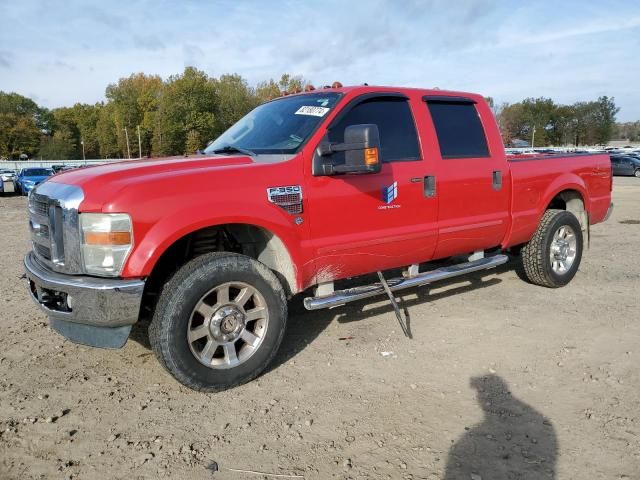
[{"x": 371, "y": 156}]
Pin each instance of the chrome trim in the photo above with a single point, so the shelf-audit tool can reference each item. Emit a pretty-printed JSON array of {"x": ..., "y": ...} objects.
[
  {"x": 359, "y": 293},
  {"x": 102, "y": 302},
  {"x": 61, "y": 221}
]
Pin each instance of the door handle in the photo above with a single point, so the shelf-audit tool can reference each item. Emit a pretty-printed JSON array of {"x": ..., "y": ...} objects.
[
  {"x": 430, "y": 186},
  {"x": 497, "y": 179}
]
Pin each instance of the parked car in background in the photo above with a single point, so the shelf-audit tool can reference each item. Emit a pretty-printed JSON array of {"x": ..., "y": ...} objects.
[
  {"x": 30, "y": 177},
  {"x": 6, "y": 186},
  {"x": 7, "y": 181},
  {"x": 625, "y": 165},
  {"x": 7, "y": 174}
]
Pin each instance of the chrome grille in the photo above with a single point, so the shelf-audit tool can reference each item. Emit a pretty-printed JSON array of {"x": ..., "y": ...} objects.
[
  {"x": 40, "y": 206},
  {"x": 53, "y": 222}
]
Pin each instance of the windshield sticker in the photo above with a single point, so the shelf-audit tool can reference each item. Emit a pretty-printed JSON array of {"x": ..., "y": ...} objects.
[{"x": 313, "y": 111}]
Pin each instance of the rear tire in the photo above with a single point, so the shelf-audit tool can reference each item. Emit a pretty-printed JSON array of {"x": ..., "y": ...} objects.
[
  {"x": 637, "y": 173},
  {"x": 552, "y": 257},
  {"x": 238, "y": 333}
]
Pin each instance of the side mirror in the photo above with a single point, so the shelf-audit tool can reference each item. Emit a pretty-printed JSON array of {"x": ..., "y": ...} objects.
[{"x": 361, "y": 149}]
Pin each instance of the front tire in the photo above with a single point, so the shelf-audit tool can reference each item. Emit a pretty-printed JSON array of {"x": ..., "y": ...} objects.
[
  {"x": 219, "y": 321},
  {"x": 552, "y": 257},
  {"x": 637, "y": 173}
]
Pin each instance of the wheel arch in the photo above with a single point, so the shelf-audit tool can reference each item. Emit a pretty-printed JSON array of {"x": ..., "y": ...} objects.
[
  {"x": 254, "y": 240},
  {"x": 571, "y": 200}
]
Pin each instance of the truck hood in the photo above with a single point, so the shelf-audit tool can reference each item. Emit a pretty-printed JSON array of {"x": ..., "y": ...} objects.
[{"x": 103, "y": 182}]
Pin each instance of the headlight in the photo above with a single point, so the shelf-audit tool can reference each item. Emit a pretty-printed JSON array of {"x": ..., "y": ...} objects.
[
  {"x": 29, "y": 182},
  {"x": 107, "y": 239}
]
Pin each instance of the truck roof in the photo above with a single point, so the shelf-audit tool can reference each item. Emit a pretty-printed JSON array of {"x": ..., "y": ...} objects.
[{"x": 361, "y": 89}]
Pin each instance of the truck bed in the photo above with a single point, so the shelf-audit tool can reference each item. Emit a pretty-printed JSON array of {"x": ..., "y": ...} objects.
[{"x": 536, "y": 179}]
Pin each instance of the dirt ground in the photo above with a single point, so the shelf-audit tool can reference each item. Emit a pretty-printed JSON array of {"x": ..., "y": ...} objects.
[{"x": 503, "y": 379}]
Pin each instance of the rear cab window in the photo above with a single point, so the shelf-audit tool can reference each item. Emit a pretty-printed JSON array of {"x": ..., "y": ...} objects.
[{"x": 458, "y": 127}]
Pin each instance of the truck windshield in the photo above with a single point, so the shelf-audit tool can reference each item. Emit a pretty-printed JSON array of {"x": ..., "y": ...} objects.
[{"x": 280, "y": 126}]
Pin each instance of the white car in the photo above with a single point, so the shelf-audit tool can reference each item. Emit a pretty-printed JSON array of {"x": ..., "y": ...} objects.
[
  {"x": 6, "y": 174},
  {"x": 7, "y": 181}
]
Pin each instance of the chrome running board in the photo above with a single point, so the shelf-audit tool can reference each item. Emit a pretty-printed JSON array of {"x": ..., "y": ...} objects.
[{"x": 340, "y": 297}]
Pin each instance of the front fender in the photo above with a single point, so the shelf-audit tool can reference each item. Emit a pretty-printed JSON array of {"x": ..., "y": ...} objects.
[{"x": 152, "y": 242}]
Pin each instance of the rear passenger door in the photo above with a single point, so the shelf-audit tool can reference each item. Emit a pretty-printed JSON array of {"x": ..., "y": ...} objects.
[{"x": 472, "y": 182}]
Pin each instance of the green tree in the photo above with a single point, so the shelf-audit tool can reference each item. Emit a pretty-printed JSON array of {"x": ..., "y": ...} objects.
[
  {"x": 64, "y": 122},
  {"x": 629, "y": 131},
  {"x": 604, "y": 112},
  {"x": 581, "y": 123},
  {"x": 106, "y": 133},
  {"x": 193, "y": 142},
  {"x": 19, "y": 134},
  {"x": 86, "y": 120},
  {"x": 234, "y": 99},
  {"x": 512, "y": 123},
  {"x": 267, "y": 90},
  {"x": 22, "y": 123},
  {"x": 59, "y": 146},
  {"x": 292, "y": 83},
  {"x": 187, "y": 104},
  {"x": 23, "y": 106},
  {"x": 135, "y": 101}
]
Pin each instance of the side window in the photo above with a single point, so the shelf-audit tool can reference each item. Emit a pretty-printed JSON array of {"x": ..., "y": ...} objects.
[
  {"x": 459, "y": 130},
  {"x": 398, "y": 138}
]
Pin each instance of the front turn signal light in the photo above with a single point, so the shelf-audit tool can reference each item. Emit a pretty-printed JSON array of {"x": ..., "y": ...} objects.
[{"x": 107, "y": 238}]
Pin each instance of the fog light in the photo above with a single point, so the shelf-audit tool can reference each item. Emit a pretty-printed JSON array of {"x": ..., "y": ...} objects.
[{"x": 70, "y": 302}]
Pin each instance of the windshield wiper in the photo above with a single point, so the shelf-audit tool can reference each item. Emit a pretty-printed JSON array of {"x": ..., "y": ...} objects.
[{"x": 233, "y": 149}]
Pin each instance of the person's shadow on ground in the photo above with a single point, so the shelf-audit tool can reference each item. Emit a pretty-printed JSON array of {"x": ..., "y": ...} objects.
[{"x": 514, "y": 441}]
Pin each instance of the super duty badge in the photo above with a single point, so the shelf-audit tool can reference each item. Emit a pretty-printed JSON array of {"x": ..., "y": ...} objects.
[{"x": 274, "y": 192}]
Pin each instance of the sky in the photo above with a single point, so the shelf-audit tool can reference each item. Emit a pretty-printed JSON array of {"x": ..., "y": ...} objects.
[{"x": 60, "y": 53}]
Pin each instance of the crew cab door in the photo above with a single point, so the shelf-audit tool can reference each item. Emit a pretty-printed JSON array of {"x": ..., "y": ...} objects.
[
  {"x": 472, "y": 176},
  {"x": 363, "y": 223}
]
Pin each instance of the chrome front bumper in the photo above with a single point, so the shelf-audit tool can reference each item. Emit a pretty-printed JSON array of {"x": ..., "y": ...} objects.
[{"x": 88, "y": 310}]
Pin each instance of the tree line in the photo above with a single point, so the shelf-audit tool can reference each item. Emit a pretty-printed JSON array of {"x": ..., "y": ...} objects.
[
  {"x": 174, "y": 116},
  {"x": 583, "y": 123},
  {"x": 181, "y": 114},
  {"x": 629, "y": 131}
]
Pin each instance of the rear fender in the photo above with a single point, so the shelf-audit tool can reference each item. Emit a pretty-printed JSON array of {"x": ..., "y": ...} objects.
[{"x": 529, "y": 219}]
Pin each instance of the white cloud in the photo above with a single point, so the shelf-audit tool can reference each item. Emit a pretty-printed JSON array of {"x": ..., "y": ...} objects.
[{"x": 566, "y": 50}]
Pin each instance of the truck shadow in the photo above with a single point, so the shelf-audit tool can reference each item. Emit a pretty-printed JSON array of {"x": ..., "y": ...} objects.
[
  {"x": 513, "y": 440},
  {"x": 305, "y": 326}
]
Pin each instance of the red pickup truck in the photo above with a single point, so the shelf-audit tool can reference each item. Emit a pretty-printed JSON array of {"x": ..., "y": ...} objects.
[{"x": 305, "y": 190}]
